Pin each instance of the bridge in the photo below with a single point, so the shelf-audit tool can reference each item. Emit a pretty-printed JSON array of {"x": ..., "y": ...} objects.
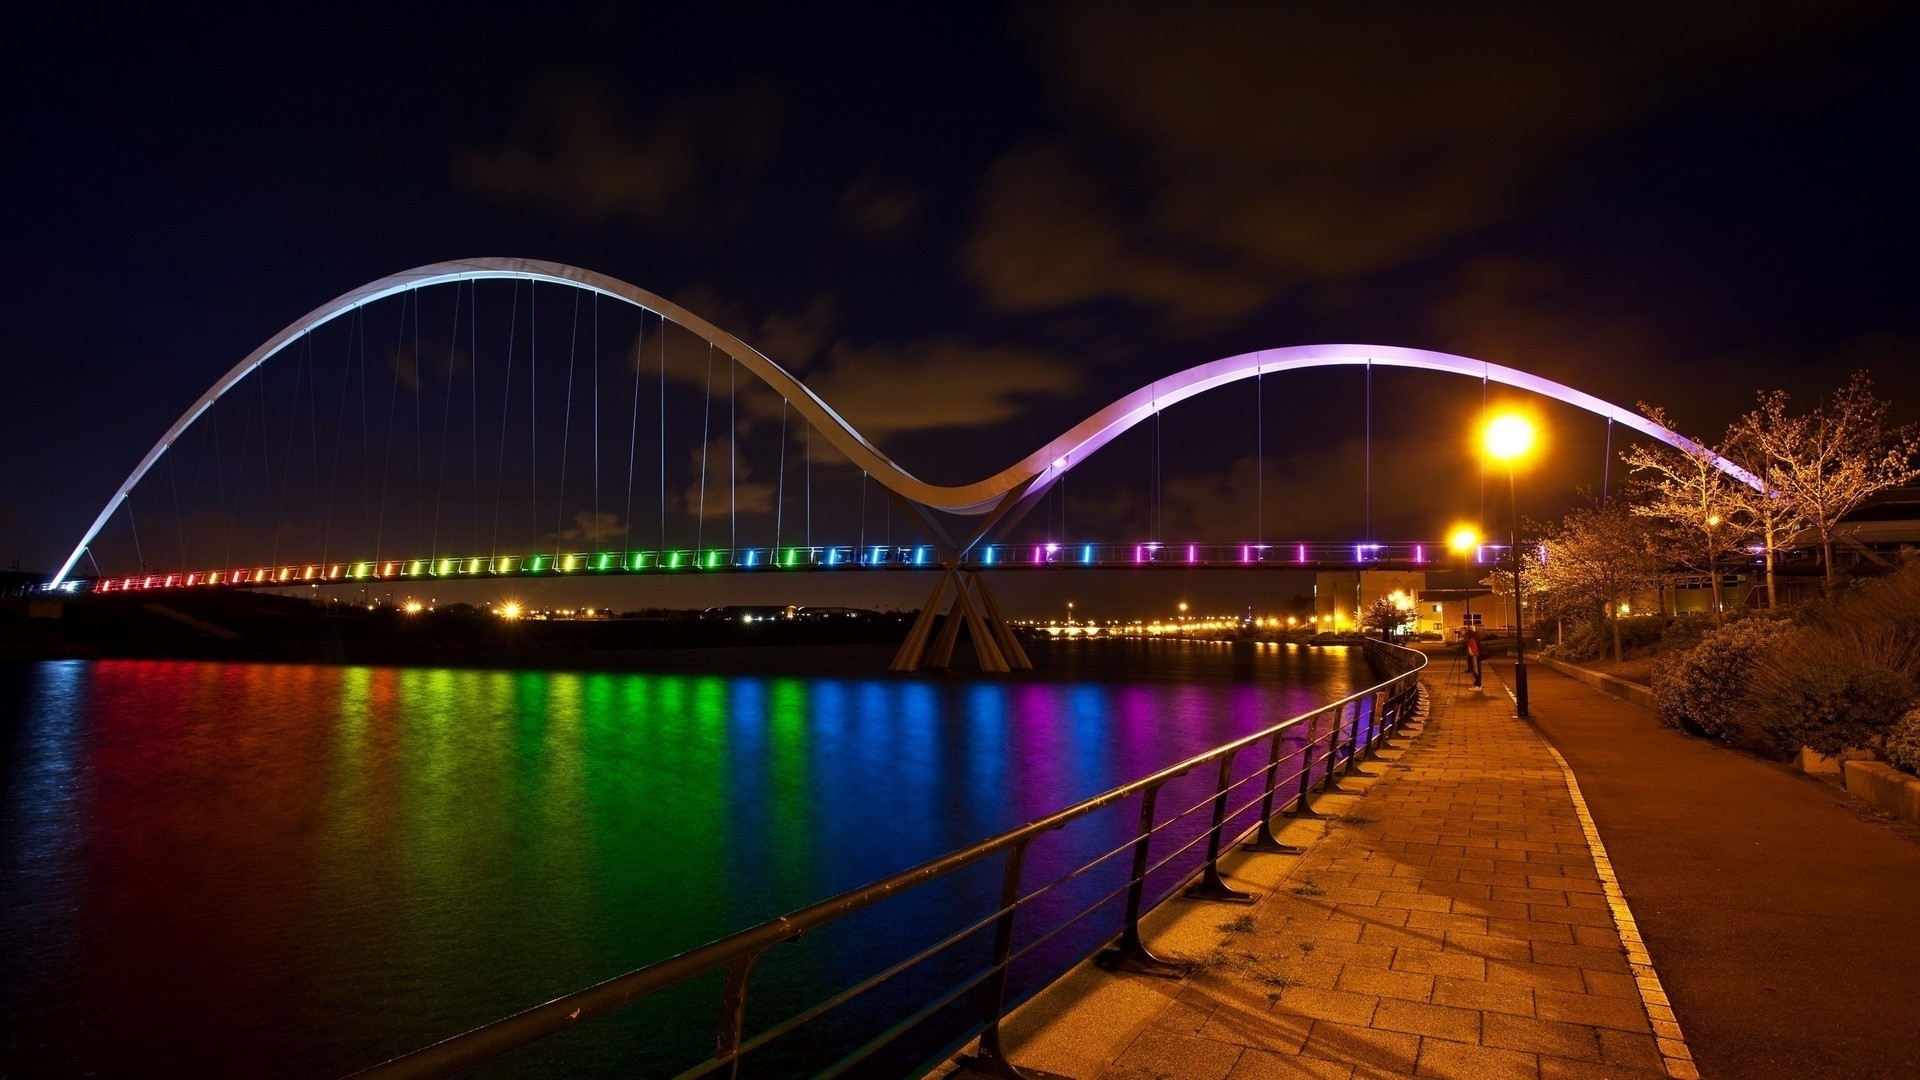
[{"x": 475, "y": 326}]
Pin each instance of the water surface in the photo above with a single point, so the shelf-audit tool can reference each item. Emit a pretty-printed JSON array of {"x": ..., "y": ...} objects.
[{"x": 240, "y": 869}]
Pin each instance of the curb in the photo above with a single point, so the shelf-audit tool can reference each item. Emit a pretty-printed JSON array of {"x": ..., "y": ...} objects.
[{"x": 1632, "y": 693}]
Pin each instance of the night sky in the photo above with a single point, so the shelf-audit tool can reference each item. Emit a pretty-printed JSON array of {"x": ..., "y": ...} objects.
[{"x": 969, "y": 229}]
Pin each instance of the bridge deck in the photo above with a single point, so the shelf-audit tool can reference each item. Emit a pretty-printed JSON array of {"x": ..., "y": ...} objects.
[{"x": 1296, "y": 555}]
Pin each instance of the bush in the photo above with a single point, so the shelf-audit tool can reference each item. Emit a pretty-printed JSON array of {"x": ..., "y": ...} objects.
[
  {"x": 1833, "y": 707},
  {"x": 1847, "y": 672},
  {"x": 1708, "y": 690},
  {"x": 1903, "y": 742},
  {"x": 1683, "y": 632},
  {"x": 1591, "y": 638}
]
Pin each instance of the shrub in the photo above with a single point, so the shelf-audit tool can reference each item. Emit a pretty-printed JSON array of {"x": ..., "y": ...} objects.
[
  {"x": 1847, "y": 672},
  {"x": 1683, "y": 632},
  {"x": 1591, "y": 638},
  {"x": 1903, "y": 742},
  {"x": 1708, "y": 690},
  {"x": 1833, "y": 707}
]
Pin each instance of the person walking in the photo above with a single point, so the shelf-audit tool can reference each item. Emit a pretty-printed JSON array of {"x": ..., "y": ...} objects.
[{"x": 1474, "y": 654}]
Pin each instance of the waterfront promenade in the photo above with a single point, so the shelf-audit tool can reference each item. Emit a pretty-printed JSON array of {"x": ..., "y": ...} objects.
[{"x": 1460, "y": 917}]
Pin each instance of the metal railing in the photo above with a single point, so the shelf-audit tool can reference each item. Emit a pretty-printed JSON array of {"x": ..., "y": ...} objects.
[{"x": 1337, "y": 738}]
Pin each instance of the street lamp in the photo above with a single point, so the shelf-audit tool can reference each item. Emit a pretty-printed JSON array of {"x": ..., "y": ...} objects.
[
  {"x": 1509, "y": 437},
  {"x": 1463, "y": 540}
]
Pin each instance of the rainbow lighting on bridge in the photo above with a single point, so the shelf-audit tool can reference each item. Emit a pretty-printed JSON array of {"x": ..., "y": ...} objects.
[{"x": 1043, "y": 556}]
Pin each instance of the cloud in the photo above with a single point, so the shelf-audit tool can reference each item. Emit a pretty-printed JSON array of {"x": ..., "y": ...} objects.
[
  {"x": 881, "y": 389},
  {"x": 573, "y": 150},
  {"x": 725, "y": 485},
  {"x": 1509, "y": 311},
  {"x": 591, "y": 527},
  {"x": 879, "y": 210},
  {"x": 1213, "y": 159},
  {"x": 936, "y": 383},
  {"x": 1050, "y": 236}
]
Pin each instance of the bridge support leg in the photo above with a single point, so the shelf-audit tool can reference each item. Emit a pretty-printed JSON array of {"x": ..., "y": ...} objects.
[
  {"x": 1009, "y": 643},
  {"x": 913, "y": 651}
]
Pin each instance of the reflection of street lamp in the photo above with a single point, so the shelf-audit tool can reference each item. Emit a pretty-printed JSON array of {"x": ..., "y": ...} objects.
[
  {"x": 1509, "y": 438},
  {"x": 1463, "y": 540}
]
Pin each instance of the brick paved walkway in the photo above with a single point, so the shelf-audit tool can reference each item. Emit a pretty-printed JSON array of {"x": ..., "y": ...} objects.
[{"x": 1450, "y": 922}]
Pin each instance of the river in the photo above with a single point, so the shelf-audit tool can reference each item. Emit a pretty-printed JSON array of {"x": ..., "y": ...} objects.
[{"x": 300, "y": 870}]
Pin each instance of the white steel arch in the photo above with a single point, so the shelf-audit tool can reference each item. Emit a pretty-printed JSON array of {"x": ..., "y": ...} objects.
[{"x": 1037, "y": 471}]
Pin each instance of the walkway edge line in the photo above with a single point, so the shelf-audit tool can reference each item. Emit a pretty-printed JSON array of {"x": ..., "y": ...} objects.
[{"x": 1653, "y": 997}]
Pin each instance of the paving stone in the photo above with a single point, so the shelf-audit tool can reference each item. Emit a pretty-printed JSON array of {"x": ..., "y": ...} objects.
[
  {"x": 1580, "y": 956},
  {"x": 1563, "y": 1069},
  {"x": 1383, "y": 983},
  {"x": 1483, "y": 996},
  {"x": 1621, "y": 1014},
  {"x": 1541, "y": 1036},
  {"x": 1458, "y": 964},
  {"x": 1336, "y": 1005},
  {"x": 1466, "y": 1061},
  {"x": 1260, "y": 1065},
  {"x": 1363, "y": 1046},
  {"x": 1462, "y": 1025},
  {"x": 1156, "y": 1052}
]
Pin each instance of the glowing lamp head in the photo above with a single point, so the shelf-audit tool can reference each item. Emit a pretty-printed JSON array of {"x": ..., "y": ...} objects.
[
  {"x": 509, "y": 610},
  {"x": 1463, "y": 539},
  {"x": 1509, "y": 437}
]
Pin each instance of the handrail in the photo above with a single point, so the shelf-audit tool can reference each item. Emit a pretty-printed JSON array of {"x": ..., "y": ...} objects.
[{"x": 736, "y": 954}]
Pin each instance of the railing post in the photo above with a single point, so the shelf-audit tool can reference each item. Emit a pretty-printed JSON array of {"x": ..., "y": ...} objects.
[
  {"x": 1212, "y": 886},
  {"x": 1266, "y": 841},
  {"x": 1301, "y": 808},
  {"x": 992, "y": 1057},
  {"x": 1130, "y": 953},
  {"x": 1368, "y": 708},
  {"x": 1331, "y": 783},
  {"x": 733, "y": 1014},
  {"x": 1364, "y": 751}
]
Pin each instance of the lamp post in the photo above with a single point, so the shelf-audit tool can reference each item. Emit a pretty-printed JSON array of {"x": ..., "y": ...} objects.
[
  {"x": 1464, "y": 540},
  {"x": 1509, "y": 437}
]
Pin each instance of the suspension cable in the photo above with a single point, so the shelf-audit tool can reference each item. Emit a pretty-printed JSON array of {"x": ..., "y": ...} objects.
[
  {"x": 1259, "y": 459},
  {"x": 597, "y": 526},
  {"x": 780, "y": 481},
  {"x": 633, "y": 434},
  {"x": 733, "y": 524},
  {"x": 339, "y": 435},
  {"x": 419, "y": 430},
  {"x": 286, "y": 470},
  {"x": 533, "y": 405},
  {"x": 446, "y": 426},
  {"x": 179, "y": 525},
  {"x": 506, "y": 401},
  {"x": 566, "y": 429},
  {"x": 393, "y": 410},
  {"x": 1606, "y": 465},
  {"x": 663, "y": 433},
  {"x": 706, "y": 413}
]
